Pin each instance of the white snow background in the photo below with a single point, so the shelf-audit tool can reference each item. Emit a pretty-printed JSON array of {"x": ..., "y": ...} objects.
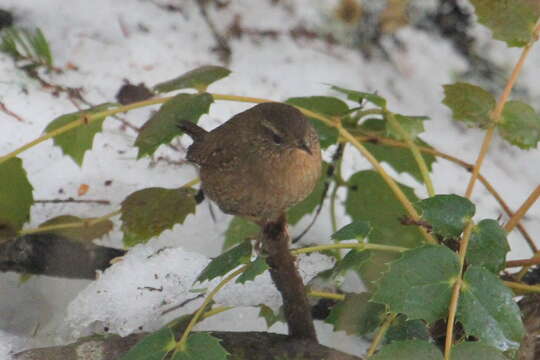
[{"x": 106, "y": 40}]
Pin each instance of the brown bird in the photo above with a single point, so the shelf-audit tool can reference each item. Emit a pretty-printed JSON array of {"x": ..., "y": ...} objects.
[{"x": 259, "y": 163}]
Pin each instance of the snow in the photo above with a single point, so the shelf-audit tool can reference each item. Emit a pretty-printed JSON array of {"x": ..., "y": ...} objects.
[{"x": 106, "y": 40}]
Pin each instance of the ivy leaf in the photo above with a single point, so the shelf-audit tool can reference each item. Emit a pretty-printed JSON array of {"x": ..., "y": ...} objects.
[
  {"x": 269, "y": 316},
  {"x": 356, "y": 230},
  {"x": 447, "y": 214},
  {"x": 510, "y": 21},
  {"x": 202, "y": 346},
  {"x": 488, "y": 246},
  {"x": 409, "y": 350},
  {"x": 413, "y": 125},
  {"x": 520, "y": 125},
  {"x": 309, "y": 204},
  {"x": 198, "y": 79},
  {"x": 163, "y": 125},
  {"x": 154, "y": 346},
  {"x": 15, "y": 195},
  {"x": 370, "y": 199},
  {"x": 469, "y": 103},
  {"x": 76, "y": 142},
  {"x": 238, "y": 231},
  {"x": 148, "y": 212},
  {"x": 227, "y": 261},
  {"x": 82, "y": 234},
  {"x": 255, "y": 268},
  {"x": 324, "y": 105},
  {"x": 356, "y": 315},
  {"x": 353, "y": 260},
  {"x": 360, "y": 96},
  {"x": 402, "y": 329},
  {"x": 476, "y": 350},
  {"x": 419, "y": 284},
  {"x": 487, "y": 311},
  {"x": 374, "y": 266}
]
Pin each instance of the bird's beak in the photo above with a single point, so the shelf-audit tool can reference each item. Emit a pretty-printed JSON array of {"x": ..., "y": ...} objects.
[{"x": 305, "y": 147}]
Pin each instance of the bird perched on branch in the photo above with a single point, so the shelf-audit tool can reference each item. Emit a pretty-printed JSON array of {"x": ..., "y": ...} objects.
[{"x": 259, "y": 163}]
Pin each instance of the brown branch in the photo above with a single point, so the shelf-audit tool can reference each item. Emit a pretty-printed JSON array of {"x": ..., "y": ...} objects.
[
  {"x": 523, "y": 209},
  {"x": 275, "y": 241},
  {"x": 4, "y": 109},
  {"x": 535, "y": 260}
]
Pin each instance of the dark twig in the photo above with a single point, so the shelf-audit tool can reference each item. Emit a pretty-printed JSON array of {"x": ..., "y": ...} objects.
[
  {"x": 4, "y": 109},
  {"x": 222, "y": 48},
  {"x": 72, "y": 200}
]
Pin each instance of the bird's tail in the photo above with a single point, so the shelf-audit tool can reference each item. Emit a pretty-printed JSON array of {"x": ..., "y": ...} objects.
[{"x": 196, "y": 132}]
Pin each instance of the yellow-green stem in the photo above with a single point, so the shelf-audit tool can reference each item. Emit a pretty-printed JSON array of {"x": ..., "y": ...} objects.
[
  {"x": 415, "y": 152},
  {"x": 326, "y": 295},
  {"x": 522, "y": 209},
  {"x": 524, "y": 288},
  {"x": 380, "y": 334},
  {"x": 452, "y": 308},
  {"x": 357, "y": 246}
]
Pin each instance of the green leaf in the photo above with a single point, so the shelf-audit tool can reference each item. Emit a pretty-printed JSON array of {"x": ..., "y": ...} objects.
[
  {"x": 356, "y": 315},
  {"x": 488, "y": 246},
  {"x": 238, "y": 231},
  {"x": 419, "y": 284},
  {"x": 41, "y": 47},
  {"x": 360, "y": 96},
  {"x": 202, "y": 346},
  {"x": 477, "y": 351},
  {"x": 487, "y": 310},
  {"x": 269, "y": 316},
  {"x": 520, "y": 125},
  {"x": 255, "y": 268},
  {"x": 510, "y": 21},
  {"x": 409, "y": 350},
  {"x": 154, "y": 346},
  {"x": 353, "y": 260},
  {"x": 227, "y": 261},
  {"x": 413, "y": 125},
  {"x": 309, "y": 204},
  {"x": 447, "y": 214},
  {"x": 372, "y": 268},
  {"x": 15, "y": 195},
  {"x": 77, "y": 141},
  {"x": 148, "y": 212},
  {"x": 370, "y": 199},
  {"x": 469, "y": 103},
  {"x": 356, "y": 230},
  {"x": 324, "y": 105},
  {"x": 198, "y": 79},
  {"x": 402, "y": 329},
  {"x": 163, "y": 125},
  {"x": 83, "y": 234}
]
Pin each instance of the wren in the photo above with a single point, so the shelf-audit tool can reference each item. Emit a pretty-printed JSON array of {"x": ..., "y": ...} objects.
[{"x": 259, "y": 163}]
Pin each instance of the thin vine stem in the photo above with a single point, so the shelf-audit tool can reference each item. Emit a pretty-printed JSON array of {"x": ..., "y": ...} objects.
[
  {"x": 357, "y": 246},
  {"x": 380, "y": 334},
  {"x": 76, "y": 224},
  {"x": 326, "y": 295},
  {"x": 452, "y": 308},
  {"x": 522, "y": 209},
  {"x": 524, "y": 288}
]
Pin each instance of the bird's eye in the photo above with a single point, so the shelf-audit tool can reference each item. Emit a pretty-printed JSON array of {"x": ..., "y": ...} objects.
[{"x": 277, "y": 139}]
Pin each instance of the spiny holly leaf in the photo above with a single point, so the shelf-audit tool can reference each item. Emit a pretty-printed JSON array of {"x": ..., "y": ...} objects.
[
  {"x": 255, "y": 268},
  {"x": 469, "y": 103},
  {"x": 402, "y": 329},
  {"x": 487, "y": 311},
  {"x": 488, "y": 246},
  {"x": 163, "y": 125},
  {"x": 413, "y": 125},
  {"x": 309, "y": 204},
  {"x": 269, "y": 316},
  {"x": 83, "y": 234},
  {"x": 370, "y": 199},
  {"x": 447, "y": 214},
  {"x": 356, "y": 315},
  {"x": 227, "y": 261},
  {"x": 202, "y": 346},
  {"x": 324, "y": 105},
  {"x": 520, "y": 125},
  {"x": 77, "y": 141},
  {"x": 15, "y": 195},
  {"x": 356, "y": 230},
  {"x": 477, "y": 351},
  {"x": 353, "y": 260},
  {"x": 238, "y": 231},
  {"x": 409, "y": 350},
  {"x": 147, "y": 213},
  {"x": 152, "y": 347},
  {"x": 419, "y": 284},
  {"x": 510, "y": 21},
  {"x": 198, "y": 79},
  {"x": 360, "y": 96}
]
